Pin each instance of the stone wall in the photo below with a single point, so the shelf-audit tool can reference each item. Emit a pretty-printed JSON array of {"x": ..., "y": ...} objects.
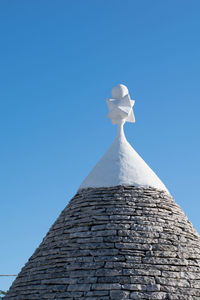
[{"x": 115, "y": 243}]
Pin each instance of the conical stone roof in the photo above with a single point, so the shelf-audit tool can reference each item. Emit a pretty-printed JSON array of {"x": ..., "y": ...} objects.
[
  {"x": 126, "y": 241},
  {"x": 115, "y": 243}
]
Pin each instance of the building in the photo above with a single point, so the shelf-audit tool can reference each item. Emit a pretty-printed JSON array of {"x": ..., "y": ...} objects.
[{"x": 122, "y": 236}]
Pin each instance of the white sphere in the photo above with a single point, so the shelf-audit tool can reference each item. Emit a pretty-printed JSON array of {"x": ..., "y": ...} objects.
[{"x": 119, "y": 91}]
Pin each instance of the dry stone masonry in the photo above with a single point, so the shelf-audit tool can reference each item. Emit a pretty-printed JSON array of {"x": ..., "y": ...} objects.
[{"x": 115, "y": 243}]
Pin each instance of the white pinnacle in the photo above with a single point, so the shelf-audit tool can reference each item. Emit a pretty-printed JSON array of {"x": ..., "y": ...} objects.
[
  {"x": 121, "y": 164},
  {"x": 120, "y": 106}
]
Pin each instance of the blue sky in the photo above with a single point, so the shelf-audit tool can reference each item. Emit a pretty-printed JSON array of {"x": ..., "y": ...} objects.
[{"x": 58, "y": 62}]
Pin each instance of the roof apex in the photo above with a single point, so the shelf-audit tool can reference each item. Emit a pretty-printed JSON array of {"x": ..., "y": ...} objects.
[{"x": 121, "y": 164}]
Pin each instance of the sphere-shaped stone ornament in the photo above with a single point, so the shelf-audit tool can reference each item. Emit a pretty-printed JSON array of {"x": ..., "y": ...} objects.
[{"x": 119, "y": 91}]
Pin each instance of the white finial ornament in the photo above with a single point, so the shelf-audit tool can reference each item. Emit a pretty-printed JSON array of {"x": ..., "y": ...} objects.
[{"x": 120, "y": 106}]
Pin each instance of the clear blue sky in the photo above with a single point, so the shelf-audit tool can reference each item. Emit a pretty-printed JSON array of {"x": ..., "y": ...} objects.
[{"x": 58, "y": 63}]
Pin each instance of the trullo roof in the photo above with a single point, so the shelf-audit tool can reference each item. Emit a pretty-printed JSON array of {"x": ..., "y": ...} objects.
[{"x": 125, "y": 238}]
